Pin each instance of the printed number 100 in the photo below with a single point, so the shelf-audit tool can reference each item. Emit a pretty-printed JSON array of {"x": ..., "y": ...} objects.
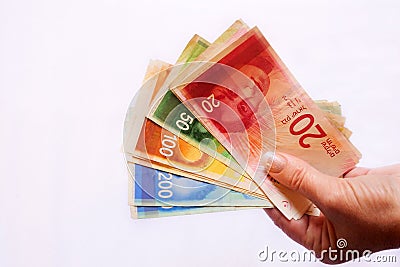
[{"x": 168, "y": 143}]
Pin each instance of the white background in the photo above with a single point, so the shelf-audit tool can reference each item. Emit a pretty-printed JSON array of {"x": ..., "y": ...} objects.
[{"x": 68, "y": 70}]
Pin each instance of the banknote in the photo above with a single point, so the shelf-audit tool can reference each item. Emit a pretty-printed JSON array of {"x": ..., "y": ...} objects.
[
  {"x": 195, "y": 47},
  {"x": 154, "y": 187},
  {"x": 237, "y": 116},
  {"x": 332, "y": 107},
  {"x": 167, "y": 168},
  {"x": 165, "y": 210},
  {"x": 333, "y": 112},
  {"x": 154, "y": 67},
  {"x": 144, "y": 212}
]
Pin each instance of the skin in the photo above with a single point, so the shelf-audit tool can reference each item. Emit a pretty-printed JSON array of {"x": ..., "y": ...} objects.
[{"x": 363, "y": 208}]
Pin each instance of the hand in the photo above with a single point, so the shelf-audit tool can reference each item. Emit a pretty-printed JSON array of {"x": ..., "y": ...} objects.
[{"x": 363, "y": 207}]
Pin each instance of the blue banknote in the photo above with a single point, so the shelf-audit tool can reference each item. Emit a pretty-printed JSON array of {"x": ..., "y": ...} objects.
[
  {"x": 144, "y": 212},
  {"x": 153, "y": 187}
]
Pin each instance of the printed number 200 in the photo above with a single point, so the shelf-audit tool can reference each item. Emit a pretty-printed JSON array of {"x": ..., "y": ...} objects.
[{"x": 321, "y": 133}]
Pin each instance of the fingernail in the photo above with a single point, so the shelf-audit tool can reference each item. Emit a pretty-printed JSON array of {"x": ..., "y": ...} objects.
[{"x": 274, "y": 161}]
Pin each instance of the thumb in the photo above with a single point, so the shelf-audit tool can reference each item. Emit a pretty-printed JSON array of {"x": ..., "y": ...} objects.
[{"x": 300, "y": 176}]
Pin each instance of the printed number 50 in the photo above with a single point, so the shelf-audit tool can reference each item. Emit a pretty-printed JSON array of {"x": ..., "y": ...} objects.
[{"x": 321, "y": 133}]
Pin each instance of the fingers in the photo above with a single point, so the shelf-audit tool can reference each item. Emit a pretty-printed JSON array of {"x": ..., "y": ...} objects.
[
  {"x": 356, "y": 172},
  {"x": 299, "y": 176},
  {"x": 387, "y": 170},
  {"x": 312, "y": 232}
]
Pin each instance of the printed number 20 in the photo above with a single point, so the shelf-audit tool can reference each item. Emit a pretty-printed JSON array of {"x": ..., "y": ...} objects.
[
  {"x": 210, "y": 103},
  {"x": 321, "y": 133}
]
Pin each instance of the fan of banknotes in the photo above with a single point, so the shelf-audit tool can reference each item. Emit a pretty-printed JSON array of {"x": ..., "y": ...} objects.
[{"x": 196, "y": 131}]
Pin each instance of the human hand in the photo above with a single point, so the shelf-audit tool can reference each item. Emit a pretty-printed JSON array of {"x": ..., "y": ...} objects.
[{"x": 363, "y": 207}]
